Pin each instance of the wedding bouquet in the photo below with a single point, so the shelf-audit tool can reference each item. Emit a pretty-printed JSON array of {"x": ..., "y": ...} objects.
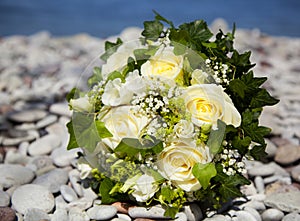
[{"x": 170, "y": 118}]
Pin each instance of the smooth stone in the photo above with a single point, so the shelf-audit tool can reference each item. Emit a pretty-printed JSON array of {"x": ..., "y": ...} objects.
[
  {"x": 287, "y": 154},
  {"x": 18, "y": 140},
  {"x": 249, "y": 190},
  {"x": 7, "y": 214},
  {"x": 264, "y": 170},
  {"x": 193, "y": 212},
  {"x": 60, "y": 109},
  {"x": 63, "y": 157},
  {"x": 60, "y": 203},
  {"x": 44, "y": 145},
  {"x": 217, "y": 217},
  {"x": 258, "y": 205},
  {"x": 257, "y": 197},
  {"x": 287, "y": 202},
  {"x": 32, "y": 196},
  {"x": 245, "y": 216},
  {"x": 68, "y": 193},
  {"x": 76, "y": 214},
  {"x": 82, "y": 203},
  {"x": 50, "y": 119},
  {"x": 52, "y": 179},
  {"x": 4, "y": 199},
  {"x": 89, "y": 194},
  {"x": 60, "y": 215},
  {"x": 155, "y": 212},
  {"x": 41, "y": 162},
  {"x": 13, "y": 156},
  {"x": 279, "y": 170},
  {"x": 123, "y": 217},
  {"x": 280, "y": 187},
  {"x": 270, "y": 148},
  {"x": 102, "y": 212},
  {"x": 74, "y": 177},
  {"x": 13, "y": 174},
  {"x": 27, "y": 115},
  {"x": 254, "y": 213},
  {"x": 34, "y": 214},
  {"x": 291, "y": 217},
  {"x": 276, "y": 178},
  {"x": 296, "y": 173},
  {"x": 259, "y": 183},
  {"x": 272, "y": 215},
  {"x": 181, "y": 217},
  {"x": 121, "y": 207}
]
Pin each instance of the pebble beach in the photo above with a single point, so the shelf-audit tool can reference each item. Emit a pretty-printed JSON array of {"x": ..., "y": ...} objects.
[{"x": 39, "y": 178}]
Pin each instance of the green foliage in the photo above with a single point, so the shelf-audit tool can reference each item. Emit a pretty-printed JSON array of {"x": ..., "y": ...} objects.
[
  {"x": 86, "y": 131},
  {"x": 204, "y": 172},
  {"x": 216, "y": 137},
  {"x": 110, "y": 48}
]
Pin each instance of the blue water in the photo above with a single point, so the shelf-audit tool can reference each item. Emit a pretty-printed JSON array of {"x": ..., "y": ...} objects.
[{"x": 102, "y": 18}]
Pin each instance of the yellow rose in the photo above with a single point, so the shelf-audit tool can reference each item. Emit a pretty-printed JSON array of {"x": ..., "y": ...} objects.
[
  {"x": 207, "y": 103},
  {"x": 176, "y": 162},
  {"x": 122, "y": 123},
  {"x": 164, "y": 64}
]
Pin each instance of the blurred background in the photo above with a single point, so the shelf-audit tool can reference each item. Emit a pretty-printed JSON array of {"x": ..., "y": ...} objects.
[{"x": 102, "y": 18}]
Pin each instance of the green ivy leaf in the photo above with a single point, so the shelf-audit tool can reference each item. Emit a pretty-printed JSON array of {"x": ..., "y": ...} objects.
[
  {"x": 72, "y": 138},
  {"x": 131, "y": 147},
  {"x": 204, "y": 172},
  {"x": 197, "y": 30},
  {"x": 216, "y": 137},
  {"x": 116, "y": 74},
  {"x": 86, "y": 131},
  {"x": 238, "y": 87},
  {"x": 96, "y": 77},
  {"x": 171, "y": 212},
  {"x": 242, "y": 144},
  {"x": 257, "y": 133},
  {"x": 110, "y": 48},
  {"x": 258, "y": 152},
  {"x": 73, "y": 94},
  {"x": 158, "y": 17},
  {"x": 263, "y": 98},
  {"x": 152, "y": 29},
  {"x": 105, "y": 187}
]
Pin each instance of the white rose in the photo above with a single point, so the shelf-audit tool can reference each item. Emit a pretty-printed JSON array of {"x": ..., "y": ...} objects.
[
  {"x": 207, "y": 103},
  {"x": 144, "y": 188},
  {"x": 118, "y": 93},
  {"x": 184, "y": 129},
  {"x": 176, "y": 162},
  {"x": 122, "y": 123},
  {"x": 81, "y": 104},
  {"x": 164, "y": 64},
  {"x": 118, "y": 60},
  {"x": 199, "y": 77}
]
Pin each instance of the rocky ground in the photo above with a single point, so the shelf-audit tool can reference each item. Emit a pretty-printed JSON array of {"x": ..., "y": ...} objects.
[{"x": 39, "y": 179}]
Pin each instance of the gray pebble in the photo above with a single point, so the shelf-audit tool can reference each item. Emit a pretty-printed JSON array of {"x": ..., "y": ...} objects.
[
  {"x": 44, "y": 145},
  {"x": 259, "y": 206},
  {"x": 34, "y": 214},
  {"x": 155, "y": 212},
  {"x": 60, "y": 109},
  {"x": 259, "y": 183},
  {"x": 60, "y": 203},
  {"x": 50, "y": 119},
  {"x": 272, "y": 215},
  {"x": 245, "y": 216},
  {"x": 296, "y": 173},
  {"x": 4, "y": 199},
  {"x": 60, "y": 215},
  {"x": 287, "y": 202},
  {"x": 76, "y": 214},
  {"x": 68, "y": 193},
  {"x": 53, "y": 179},
  {"x": 291, "y": 217},
  {"x": 253, "y": 212},
  {"x": 82, "y": 203},
  {"x": 11, "y": 174},
  {"x": 32, "y": 196},
  {"x": 102, "y": 212},
  {"x": 270, "y": 148},
  {"x": 63, "y": 157},
  {"x": 123, "y": 217},
  {"x": 74, "y": 177},
  {"x": 181, "y": 217},
  {"x": 193, "y": 212},
  {"x": 264, "y": 170},
  {"x": 218, "y": 217},
  {"x": 13, "y": 156},
  {"x": 27, "y": 115}
]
